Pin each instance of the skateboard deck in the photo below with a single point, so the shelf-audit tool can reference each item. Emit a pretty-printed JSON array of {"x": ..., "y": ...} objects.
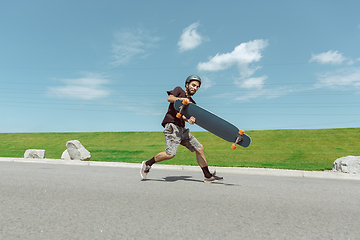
[{"x": 213, "y": 123}]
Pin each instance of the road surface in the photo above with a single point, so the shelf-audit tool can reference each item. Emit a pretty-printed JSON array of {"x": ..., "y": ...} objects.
[{"x": 52, "y": 201}]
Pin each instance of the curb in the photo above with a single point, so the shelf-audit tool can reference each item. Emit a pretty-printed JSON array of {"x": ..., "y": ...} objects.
[{"x": 234, "y": 170}]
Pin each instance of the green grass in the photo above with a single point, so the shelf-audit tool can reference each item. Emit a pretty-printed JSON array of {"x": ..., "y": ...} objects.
[{"x": 283, "y": 149}]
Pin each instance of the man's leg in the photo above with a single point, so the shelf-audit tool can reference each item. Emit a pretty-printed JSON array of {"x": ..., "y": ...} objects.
[
  {"x": 161, "y": 156},
  {"x": 193, "y": 144},
  {"x": 172, "y": 143},
  {"x": 146, "y": 165},
  {"x": 201, "y": 159}
]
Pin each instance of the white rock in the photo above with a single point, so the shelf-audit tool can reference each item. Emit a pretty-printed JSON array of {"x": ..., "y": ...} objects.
[
  {"x": 34, "y": 153},
  {"x": 65, "y": 155},
  {"x": 77, "y": 151},
  {"x": 349, "y": 164}
]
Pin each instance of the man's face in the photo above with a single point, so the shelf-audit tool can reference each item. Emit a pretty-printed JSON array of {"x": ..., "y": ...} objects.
[{"x": 192, "y": 87}]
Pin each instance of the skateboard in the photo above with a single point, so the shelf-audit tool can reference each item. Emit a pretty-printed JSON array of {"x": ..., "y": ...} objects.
[{"x": 212, "y": 123}]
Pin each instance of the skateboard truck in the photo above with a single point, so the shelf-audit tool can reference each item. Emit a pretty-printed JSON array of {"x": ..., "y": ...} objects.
[
  {"x": 185, "y": 102},
  {"x": 238, "y": 139}
]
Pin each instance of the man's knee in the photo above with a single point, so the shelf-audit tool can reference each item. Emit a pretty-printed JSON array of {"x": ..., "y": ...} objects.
[{"x": 200, "y": 149}]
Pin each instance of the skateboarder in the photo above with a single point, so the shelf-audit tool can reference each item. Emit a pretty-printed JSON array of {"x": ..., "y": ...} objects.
[{"x": 176, "y": 133}]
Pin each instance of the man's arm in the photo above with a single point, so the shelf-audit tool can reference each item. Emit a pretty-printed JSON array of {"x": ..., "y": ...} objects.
[{"x": 172, "y": 99}]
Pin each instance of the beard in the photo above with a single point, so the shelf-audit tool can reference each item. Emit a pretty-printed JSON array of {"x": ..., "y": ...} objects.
[{"x": 189, "y": 92}]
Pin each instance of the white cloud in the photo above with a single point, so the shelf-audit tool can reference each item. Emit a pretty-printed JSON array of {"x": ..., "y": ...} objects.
[
  {"x": 252, "y": 83},
  {"x": 258, "y": 93},
  {"x": 243, "y": 54},
  {"x": 88, "y": 87},
  {"x": 349, "y": 77},
  {"x": 264, "y": 93},
  {"x": 206, "y": 82},
  {"x": 329, "y": 57},
  {"x": 129, "y": 44},
  {"x": 247, "y": 71},
  {"x": 190, "y": 38}
]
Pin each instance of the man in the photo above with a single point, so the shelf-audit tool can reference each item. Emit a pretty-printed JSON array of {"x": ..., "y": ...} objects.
[{"x": 176, "y": 133}]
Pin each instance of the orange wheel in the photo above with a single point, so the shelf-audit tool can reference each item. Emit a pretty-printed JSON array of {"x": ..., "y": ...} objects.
[
  {"x": 178, "y": 115},
  {"x": 185, "y": 102},
  {"x": 241, "y": 132},
  {"x": 233, "y": 146}
]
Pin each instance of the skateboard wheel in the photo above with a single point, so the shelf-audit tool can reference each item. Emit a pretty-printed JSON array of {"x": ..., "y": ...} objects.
[
  {"x": 241, "y": 132},
  {"x": 185, "y": 102},
  {"x": 178, "y": 115},
  {"x": 233, "y": 146}
]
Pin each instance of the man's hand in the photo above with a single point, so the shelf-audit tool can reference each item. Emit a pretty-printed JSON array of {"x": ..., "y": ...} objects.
[
  {"x": 172, "y": 98},
  {"x": 191, "y": 120}
]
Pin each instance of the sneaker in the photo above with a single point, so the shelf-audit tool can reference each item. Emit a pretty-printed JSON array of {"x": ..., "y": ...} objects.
[
  {"x": 213, "y": 178},
  {"x": 144, "y": 170}
]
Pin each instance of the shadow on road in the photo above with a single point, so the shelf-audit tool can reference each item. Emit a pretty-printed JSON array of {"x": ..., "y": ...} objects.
[{"x": 188, "y": 179}]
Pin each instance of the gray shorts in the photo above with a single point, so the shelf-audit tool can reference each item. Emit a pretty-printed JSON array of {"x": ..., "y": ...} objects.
[{"x": 176, "y": 135}]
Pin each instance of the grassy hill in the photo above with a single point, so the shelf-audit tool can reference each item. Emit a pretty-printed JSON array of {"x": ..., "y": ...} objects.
[{"x": 284, "y": 149}]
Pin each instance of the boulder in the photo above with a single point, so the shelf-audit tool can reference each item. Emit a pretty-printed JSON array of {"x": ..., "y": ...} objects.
[
  {"x": 77, "y": 151},
  {"x": 34, "y": 153},
  {"x": 349, "y": 164},
  {"x": 65, "y": 155}
]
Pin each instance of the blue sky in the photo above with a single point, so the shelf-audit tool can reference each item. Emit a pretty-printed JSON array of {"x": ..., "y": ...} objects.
[{"x": 89, "y": 66}]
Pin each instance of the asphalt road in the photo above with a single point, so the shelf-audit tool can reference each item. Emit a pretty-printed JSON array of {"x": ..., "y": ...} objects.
[{"x": 50, "y": 201}]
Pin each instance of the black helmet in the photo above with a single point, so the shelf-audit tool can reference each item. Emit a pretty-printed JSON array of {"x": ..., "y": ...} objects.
[{"x": 193, "y": 78}]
